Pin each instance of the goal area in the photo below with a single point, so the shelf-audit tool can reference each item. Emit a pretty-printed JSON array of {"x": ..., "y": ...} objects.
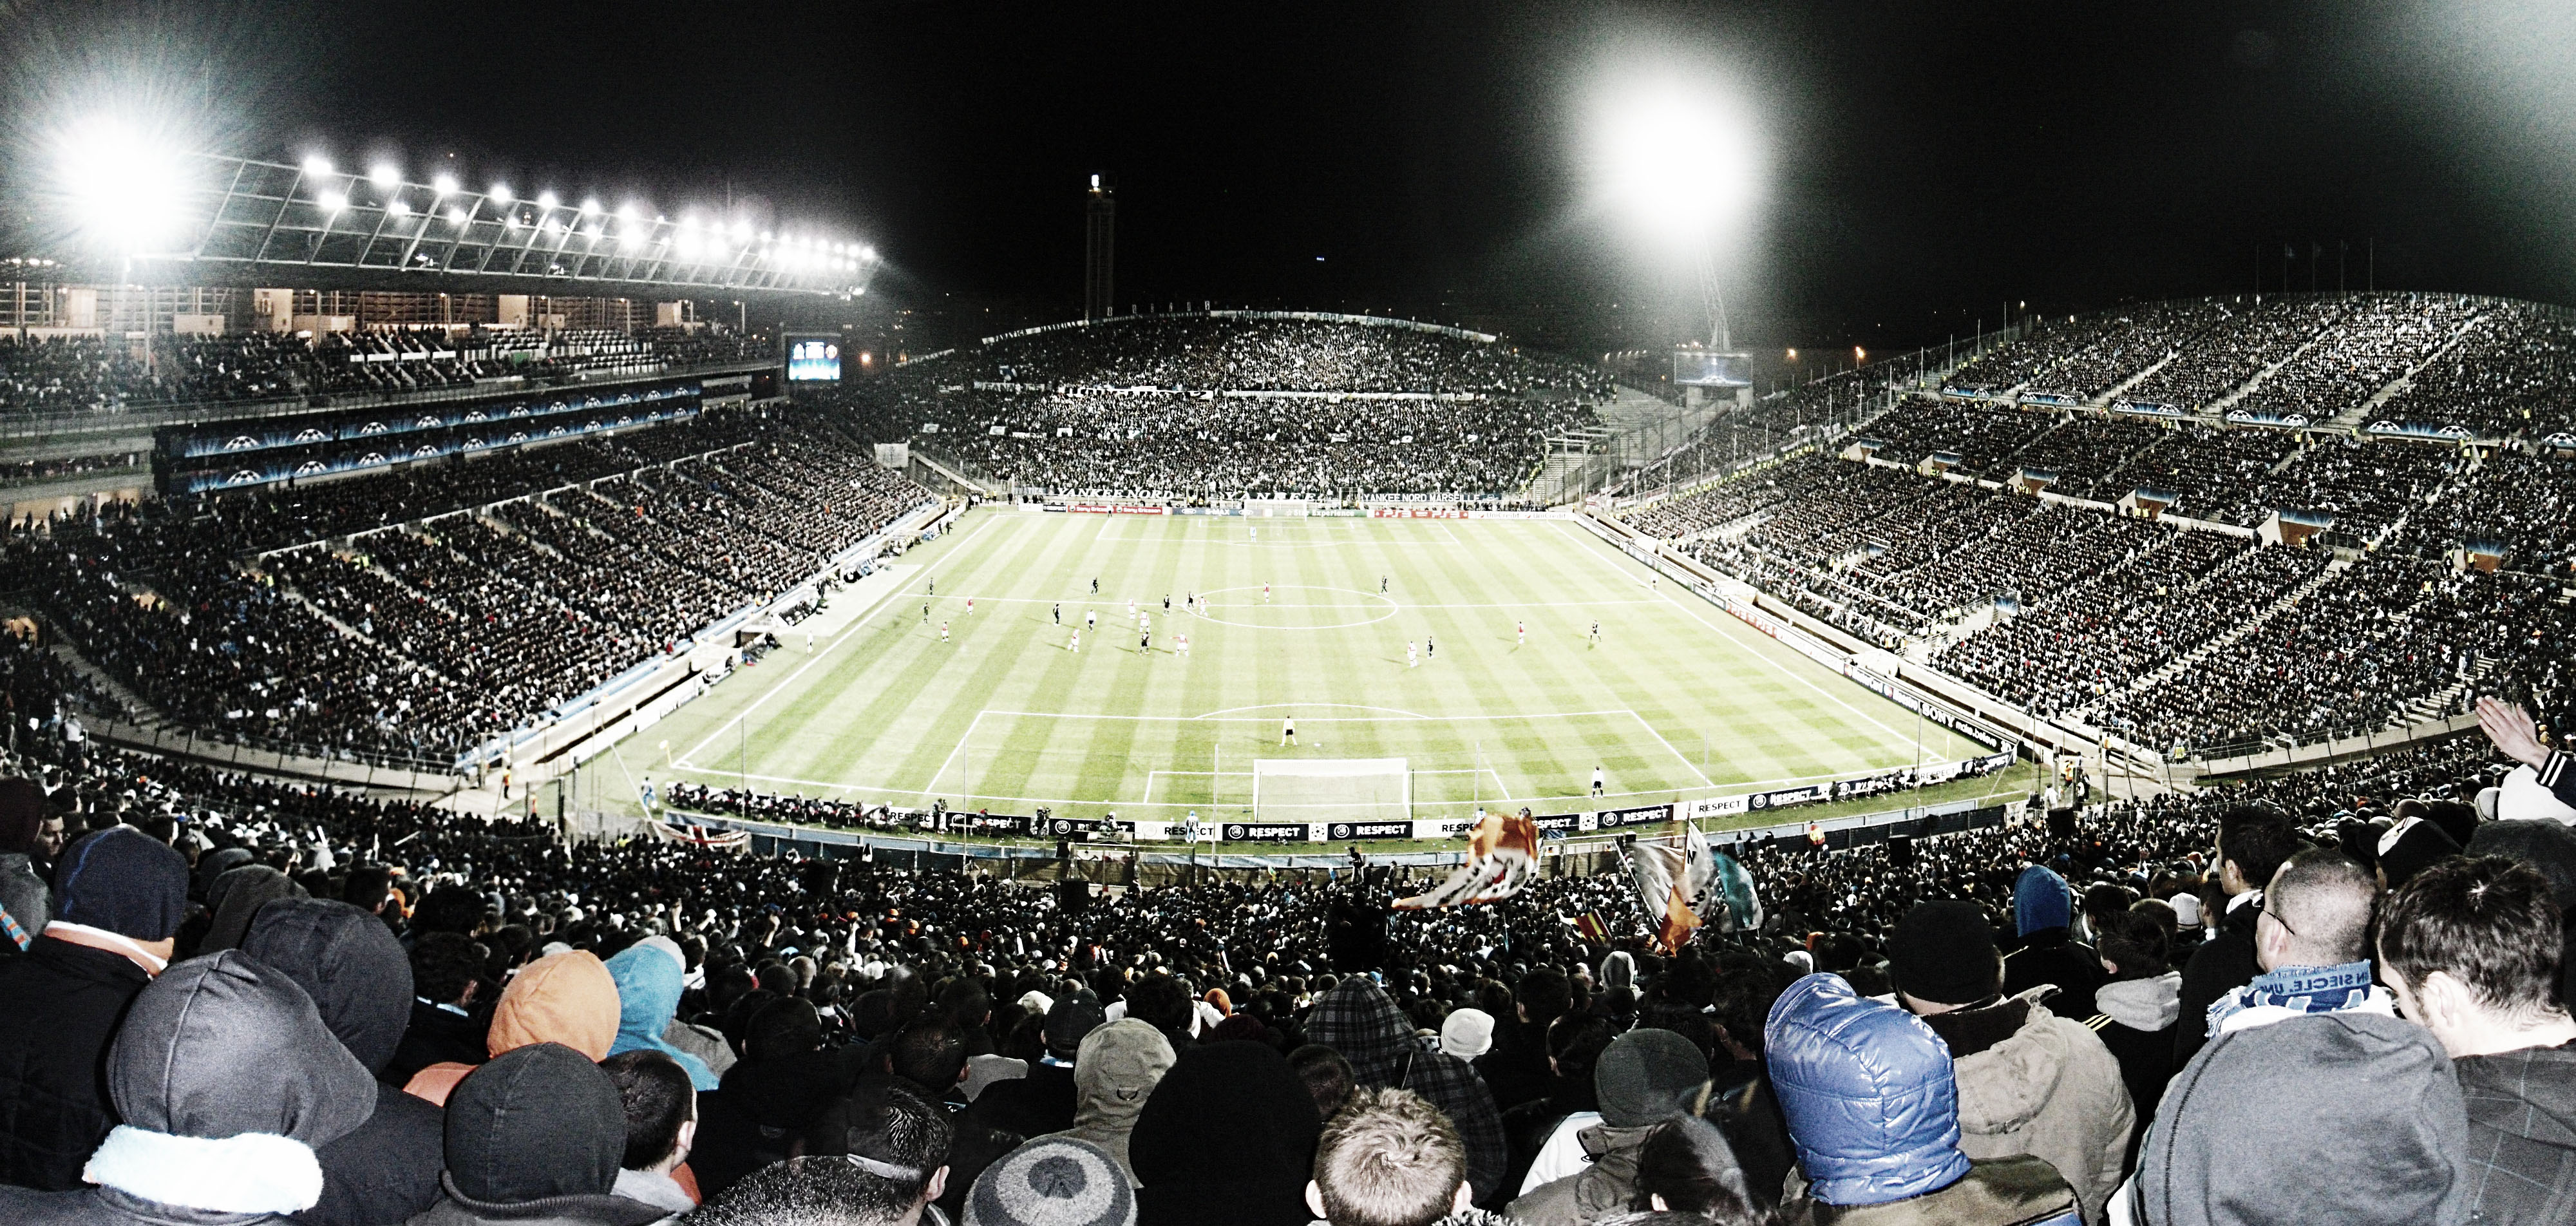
[{"x": 1331, "y": 789}]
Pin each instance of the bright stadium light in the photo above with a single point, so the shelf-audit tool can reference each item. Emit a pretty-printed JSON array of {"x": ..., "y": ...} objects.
[
  {"x": 867, "y": 253},
  {"x": 444, "y": 184},
  {"x": 548, "y": 200},
  {"x": 384, "y": 174},
  {"x": 317, "y": 165},
  {"x": 334, "y": 201},
  {"x": 589, "y": 206},
  {"x": 123, "y": 188},
  {"x": 1678, "y": 154},
  {"x": 398, "y": 209},
  {"x": 456, "y": 216},
  {"x": 500, "y": 193}
]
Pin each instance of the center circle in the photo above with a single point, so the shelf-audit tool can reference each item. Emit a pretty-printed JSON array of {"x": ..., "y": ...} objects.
[{"x": 1382, "y": 614}]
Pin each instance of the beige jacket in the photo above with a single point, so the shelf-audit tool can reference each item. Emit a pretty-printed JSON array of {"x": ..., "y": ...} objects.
[{"x": 2031, "y": 1082}]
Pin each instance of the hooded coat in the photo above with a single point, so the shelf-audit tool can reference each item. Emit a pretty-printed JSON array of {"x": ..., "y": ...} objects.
[
  {"x": 1872, "y": 1101},
  {"x": 533, "y": 1139},
  {"x": 1227, "y": 1136},
  {"x": 63, "y": 1005},
  {"x": 244, "y": 891},
  {"x": 2031, "y": 1082},
  {"x": 1358, "y": 1020},
  {"x": 565, "y": 998},
  {"x": 648, "y": 996},
  {"x": 354, "y": 969},
  {"x": 2522, "y": 1134},
  {"x": 227, "y": 1082},
  {"x": 1114, "y": 1071},
  {"x": 24, "y": 896},
  {"x": 2381, "y": 1130},
  {"x": 2136, "y": 1026}
]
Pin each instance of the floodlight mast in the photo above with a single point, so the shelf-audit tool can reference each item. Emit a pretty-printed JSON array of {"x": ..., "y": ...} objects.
[{"x": 1713, "y": 300}]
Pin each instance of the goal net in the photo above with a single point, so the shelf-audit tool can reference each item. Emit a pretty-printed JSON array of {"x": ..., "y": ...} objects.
[{"x": 1331, "y": 790}]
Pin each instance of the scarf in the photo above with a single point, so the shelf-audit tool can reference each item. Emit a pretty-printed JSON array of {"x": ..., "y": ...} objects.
[{"x": 2298, "y": 989}]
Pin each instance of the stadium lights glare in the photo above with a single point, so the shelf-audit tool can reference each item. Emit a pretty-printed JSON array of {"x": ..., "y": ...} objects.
[
  {"x": 1676, "y": 155},
  {"x": 444, "y": 184},
  {"x": 629, "y": 213},
  {"x": 398, "y": 208},
  {"x": 867, "y": 253},
  {"x": 590, "y": 205},
  {"x": 456, "y": 217},
  {"x": 317, "y": 165},
  {"x": 548, "y": 200},
  {"x": 125, "y": 188},
  {"x": 333, "y": 202},
  {"x": 383, "y": 174},
  {"x": 500, "y": 193}
]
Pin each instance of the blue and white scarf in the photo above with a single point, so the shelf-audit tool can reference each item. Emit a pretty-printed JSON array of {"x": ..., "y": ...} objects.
[{"x": 2298, "y": 989}]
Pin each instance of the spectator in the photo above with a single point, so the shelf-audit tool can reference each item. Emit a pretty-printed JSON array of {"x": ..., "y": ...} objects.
[
  {"x": 226, "y": 1082},
  {"x": 445, "y": 970},
  {"x": 2313, "y": 945},
  {"x": 1646, "y": 1077},
  {"x": 1114, "y": 1070},
  {"x": 1392, "y": 1159},
  {"x": 1467, "y": 1034},
  {"x": 244, "y": 891},
  {"x": 565, "y": 998},
  {"x": 2028, "y": 1081},
  {"x": 2045, "y": 949},
  {"x": 2409, "y": 847},
  {"x": 1574, "y": 1047},
  {"x": 351, "y": 966},
  {"x": 661, "y": 1110},
  {"x": 1687, "y": 1167},
  {"x": 1327, "y": 1076},
  {"x": 2472, "y": 949},
  {"x": 648, "y": 997},
  {"x": 783, "y": 1084},
  {"x": 2252, "y": 843},
  {"x": 2345, "y": 1117},
  {"x": 118, "y": 897},
  {"x": 1516, "y": 1070},
  {"x": 1874, "y": 1111},
  {"x": 1043, "y": 1101},
  {"x": 1358, "y": 1020},
  {"x": 22, "y": 893},
  {"x": 1052, "y": 1182},
  {"x": 831, "y": 1190},
  {"x": 2139, "y": 1007},
  {"x": 1227, "y": 1135},
  {"x": 536, "y": 1134}
]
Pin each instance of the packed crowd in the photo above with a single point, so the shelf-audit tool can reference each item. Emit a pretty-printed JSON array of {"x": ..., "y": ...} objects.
[
  {"x": 58, "y": 375},
  {"x": 1195, "y": 407},
  {"x": 260, "y": 617},
  {"x": 230, "y": 1000}
]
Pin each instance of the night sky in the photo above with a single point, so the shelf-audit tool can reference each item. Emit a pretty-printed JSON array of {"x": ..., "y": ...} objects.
[{"x": 1925, "y": 163}]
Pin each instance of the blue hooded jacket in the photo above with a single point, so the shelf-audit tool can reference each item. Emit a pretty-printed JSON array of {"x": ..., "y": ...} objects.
[
  {"x": 2041, "y": 899},
  {"x": 648, "y": 994},
  {"x": 1872, "y": 1104}
]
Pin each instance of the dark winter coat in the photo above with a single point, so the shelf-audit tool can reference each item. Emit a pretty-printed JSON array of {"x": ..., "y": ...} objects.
[
  {"x": 1358, "y": 1020},
  {"x": 2052, "y": 956},
  {"x": 1228, "y": 1135},
  {"x": 1030, "y": 1106},
  {"x": 533, "y": 1139},
  {"x": 2522, "y": 1134},
  {"x": 355, "y": 971},
  {"x": 2222, "y": 965},
  {"x": 59, "y": 1008}
]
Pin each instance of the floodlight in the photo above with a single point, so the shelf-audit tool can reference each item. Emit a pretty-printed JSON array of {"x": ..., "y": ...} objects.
[
  {"x": 317, "y": 165},
  {"x": 1676, "y": 155},
  {"x": 741, "y": 229},
  {"x": 589, "y": 205},
  {"x": 123, "y": 186},
  {"x": 628, "y": 212},
  {"x": 398, "y": 209},
  {"x": 333, "y": 202},
  {"x": 444, "y": 184},
  {"x": 456, "y": 216},
  {"x": 867, "y": 253},
  {"x": 500, "y": 193},
  {"x": 548, "y": 200},
  {"x": 383, "y": 174}
]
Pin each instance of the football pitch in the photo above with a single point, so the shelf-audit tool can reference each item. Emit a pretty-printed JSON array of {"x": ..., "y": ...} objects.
[{"x": 1507, "y": 698}]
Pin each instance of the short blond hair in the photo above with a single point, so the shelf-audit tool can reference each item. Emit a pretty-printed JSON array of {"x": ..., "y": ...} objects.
[{"x": 1389, "y": 1159}]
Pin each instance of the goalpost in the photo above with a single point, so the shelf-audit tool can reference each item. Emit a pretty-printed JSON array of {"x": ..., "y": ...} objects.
[{"x": 1331, "y": 789}]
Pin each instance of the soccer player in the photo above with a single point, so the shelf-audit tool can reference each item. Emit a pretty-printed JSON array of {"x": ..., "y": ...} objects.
[
  {"x": 1288, "y": 731},
  {"x": 1059, "y": 612},
  {"x": 970, "y": 606},
  {"x": 934, "y": 585},
  {"x": 1430, "y": 650},
  {"x": 1256, "y": 534},
  {"x": 925, "y": 614},
  {"x": 1599, "y": 780},
  {"x": 1410, "y": 652},
  {"x": 1167, "y": 604},
  {"x": 1265, "y": 593},
  {"x": 1185, "y": 646},
  {"x": 943, "y": 632},
  {"x": 1596, "y": 633},
  {"x": 1520, "y": 634},
  {"x": 1381, "y": 585},
  {"x": 1095, "y": 585},
  {"x": 1145, "y": 623},
  {"x": 1131, "y": 609},
  {"x": 1077, "y": 641},
  {"x": 1144, "y": 642}
]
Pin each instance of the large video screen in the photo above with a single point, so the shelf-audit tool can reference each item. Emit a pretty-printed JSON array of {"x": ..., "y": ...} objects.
[
  {"x": 1701, "y": 368},
  {"x": 813, "y": 359}
]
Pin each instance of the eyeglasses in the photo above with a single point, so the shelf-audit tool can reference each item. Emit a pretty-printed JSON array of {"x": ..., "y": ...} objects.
[{"x": 2267, "y": 909}]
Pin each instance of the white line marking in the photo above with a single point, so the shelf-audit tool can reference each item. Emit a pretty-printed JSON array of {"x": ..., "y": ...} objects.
[
  {"x": 1687, "y": 764},
  {"x": 1571, "y": 798},
  {"x": 1327, "y": 719},
  {"x": 968, "y": 735}
]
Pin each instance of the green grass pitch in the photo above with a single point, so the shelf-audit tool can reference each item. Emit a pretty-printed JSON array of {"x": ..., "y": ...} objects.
[{"x": 1677, "y": 700}]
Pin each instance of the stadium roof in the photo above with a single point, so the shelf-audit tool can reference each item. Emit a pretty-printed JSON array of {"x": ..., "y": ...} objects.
[{"x": 236, "y": 219}]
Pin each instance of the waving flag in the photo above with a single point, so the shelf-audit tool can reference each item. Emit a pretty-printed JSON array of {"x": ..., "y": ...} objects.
[
  {"x": 1502, "y": 856},
  {"x": 1683, "y": 885}
]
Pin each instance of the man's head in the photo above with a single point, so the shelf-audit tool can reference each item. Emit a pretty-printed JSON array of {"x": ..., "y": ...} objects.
[
  {"x": 368, "y": 888},
  {"x": 2252, "y": 843},
  {"x": 2472, "y": 948},
  {"x": 1869, "y": 1093},
  {"x": 1942, "y": 955},
  {"x": 1069, "y": 1019},
  {"x": 443, "y": 967},
  {"x": 1160, "y": 1001},
  {"x": 123, "y": 882},
  {"x": 2316, "y": 912},
  {"x": 661, "y": 1109},
  {"x": 1327, "y": 1077},
  {"x": 899, "y": 1141},
  {"x": 1052, "y": 1181},
  {"x": 23, "y": 812},
  {"x": 1646, "y": 1076},
  {"x": 535, "y": 1123},
  {"x": 1389, "y": 1159},
  {"x": 931, "y": 1054}
]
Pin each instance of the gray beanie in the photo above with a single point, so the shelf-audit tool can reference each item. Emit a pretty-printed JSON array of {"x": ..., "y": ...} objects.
[
  {"x": 1052, "y": 1181},
  {"x": 1644, "y": 1075}
]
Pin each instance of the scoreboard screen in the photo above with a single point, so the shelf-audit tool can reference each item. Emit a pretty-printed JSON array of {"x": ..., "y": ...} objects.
[
  {"x": 813, "y": 359},
  {"x": 1701, "y": 368}
]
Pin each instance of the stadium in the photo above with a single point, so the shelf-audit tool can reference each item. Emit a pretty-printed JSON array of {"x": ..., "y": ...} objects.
[{"x": 757, "y": 671}]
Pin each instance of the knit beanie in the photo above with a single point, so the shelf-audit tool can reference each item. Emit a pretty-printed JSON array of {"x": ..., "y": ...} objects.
[
  {"x": 2410, "y": 847},
  {"x": 1944, "y": 953},
  {"x": 124, "y": 881},
  {"x": 1643, "y": 1075},
  {"x": 1467, "y": 1033},
  {"x": 1052, "y": 1181},
  {"x": 22, "y": 814}
]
